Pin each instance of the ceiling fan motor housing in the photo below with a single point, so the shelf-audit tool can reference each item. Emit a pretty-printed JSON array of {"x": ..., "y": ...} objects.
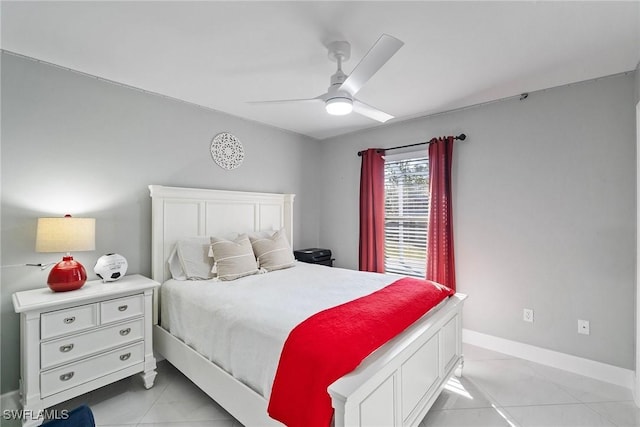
[
  {"x": 333, "y": 93},
  {"x": 338, "y": 78}
]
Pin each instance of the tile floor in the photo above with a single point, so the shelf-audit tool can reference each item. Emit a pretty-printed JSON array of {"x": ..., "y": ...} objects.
[{"x": 495, "y": 390}]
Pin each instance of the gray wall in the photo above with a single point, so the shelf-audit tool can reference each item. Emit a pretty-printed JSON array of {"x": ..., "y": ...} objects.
[
  {"x": 75, "y": 144},
  {"x": 544, "y": 213}
]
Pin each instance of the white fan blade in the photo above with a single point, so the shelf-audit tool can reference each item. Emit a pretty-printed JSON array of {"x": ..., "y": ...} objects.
[
  {"x": 378, "y": 55},
  {"x": 369, "y": 111},
  {"x": 285, "y": 101}
]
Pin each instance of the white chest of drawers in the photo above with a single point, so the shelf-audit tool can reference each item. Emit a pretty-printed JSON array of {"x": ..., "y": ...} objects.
[{"x": 74, "y": 342}]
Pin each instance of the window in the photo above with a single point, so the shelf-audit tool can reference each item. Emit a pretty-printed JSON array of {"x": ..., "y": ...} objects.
[{"x": 406, "y": 182}]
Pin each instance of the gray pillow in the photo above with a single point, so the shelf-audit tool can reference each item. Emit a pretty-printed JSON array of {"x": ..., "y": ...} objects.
[
  {"x": 273, "y": 253},
  {"x": 233, "y": 258}
]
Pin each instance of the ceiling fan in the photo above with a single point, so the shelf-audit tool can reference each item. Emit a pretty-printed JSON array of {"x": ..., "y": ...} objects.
[{"x": 340, "y": 97}]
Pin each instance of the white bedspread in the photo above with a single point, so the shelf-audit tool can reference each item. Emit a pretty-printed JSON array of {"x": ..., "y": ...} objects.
[{"x": 242, "y": 325}]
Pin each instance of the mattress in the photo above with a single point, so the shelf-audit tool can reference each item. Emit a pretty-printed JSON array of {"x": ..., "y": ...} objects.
[{"x": 242, "y": 325}]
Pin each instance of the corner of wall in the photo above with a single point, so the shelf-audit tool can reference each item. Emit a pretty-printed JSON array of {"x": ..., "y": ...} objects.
[
  {"x": 636, "y": 390},
  {"x": 637, "y": 85}
]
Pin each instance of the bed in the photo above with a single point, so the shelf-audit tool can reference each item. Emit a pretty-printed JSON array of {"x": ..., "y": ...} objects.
[{"x": 394, "y": 386}]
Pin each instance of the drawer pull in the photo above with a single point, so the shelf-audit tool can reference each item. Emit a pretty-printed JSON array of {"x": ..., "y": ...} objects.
[
  {"x": 124, "y": 357},
  {"x": 68, "y": 320},
  {"x": 122, "y": 307},
  {"x": 124, "y": 332},
  {"x": 66, "y": 348},
  {"x": 66, "y": 377}
]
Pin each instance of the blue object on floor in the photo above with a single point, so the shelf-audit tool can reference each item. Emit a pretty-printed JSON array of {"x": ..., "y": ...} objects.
[{"x": 79, "y": 417}]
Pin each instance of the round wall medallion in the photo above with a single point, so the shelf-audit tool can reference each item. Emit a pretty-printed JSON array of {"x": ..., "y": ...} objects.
[{"x": 227, "y": 151}]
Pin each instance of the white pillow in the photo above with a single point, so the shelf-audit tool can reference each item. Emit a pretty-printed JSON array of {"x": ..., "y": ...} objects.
[
  {"x": 189, "y": 259},
  {"x": 274, "y": 252},
  {"x": 261, "y": 234},
  {"x": 175, "y": 267},
  {"x": 233, "y": 258}
]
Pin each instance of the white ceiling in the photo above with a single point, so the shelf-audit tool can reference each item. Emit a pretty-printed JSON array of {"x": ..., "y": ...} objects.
[{"x": 223, "y": 54}]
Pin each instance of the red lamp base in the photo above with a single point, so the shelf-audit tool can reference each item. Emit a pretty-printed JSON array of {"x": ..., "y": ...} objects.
[{"x": 67, "y": 275}]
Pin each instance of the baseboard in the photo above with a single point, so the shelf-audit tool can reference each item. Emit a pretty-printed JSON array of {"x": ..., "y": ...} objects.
[
  {"x": 10, "y": 400},
  {"x": 577, "y": 365}
]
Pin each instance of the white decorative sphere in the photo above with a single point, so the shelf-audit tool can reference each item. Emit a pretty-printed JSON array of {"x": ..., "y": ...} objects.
[{"x": 110, "y": 267}]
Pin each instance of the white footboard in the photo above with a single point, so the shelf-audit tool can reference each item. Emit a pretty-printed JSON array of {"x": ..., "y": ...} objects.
[{"x": 398, "y": 385}]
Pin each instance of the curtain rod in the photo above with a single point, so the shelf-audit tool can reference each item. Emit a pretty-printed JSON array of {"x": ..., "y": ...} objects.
[{"x": 460, "y": 137}]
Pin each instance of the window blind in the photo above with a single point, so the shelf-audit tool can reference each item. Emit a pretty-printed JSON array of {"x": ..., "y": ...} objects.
[{"x": 406, "y": 216}]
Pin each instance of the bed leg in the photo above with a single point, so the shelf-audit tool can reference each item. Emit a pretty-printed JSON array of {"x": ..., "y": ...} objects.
[
  {"x": 148, "y": 378},
  {"x": 458, "y": 371}
]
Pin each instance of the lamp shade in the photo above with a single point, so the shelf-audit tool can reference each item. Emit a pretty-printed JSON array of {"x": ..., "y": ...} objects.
[{"x": 66, "y": 235}]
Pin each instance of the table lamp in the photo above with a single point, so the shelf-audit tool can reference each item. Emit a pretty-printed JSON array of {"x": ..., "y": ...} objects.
[{"x": 67, "y": 235}]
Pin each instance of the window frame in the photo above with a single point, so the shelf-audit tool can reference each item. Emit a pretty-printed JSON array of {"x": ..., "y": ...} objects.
[{"x": 406, "y": 155}]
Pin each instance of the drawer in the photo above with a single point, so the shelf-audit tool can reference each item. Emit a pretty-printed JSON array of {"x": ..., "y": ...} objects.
[
  {"x": 84, "y": 344},
  {"x": 68, "y": 376},
  {"x": 121, "y": 308},
  {"x": 56, "y": 323}
]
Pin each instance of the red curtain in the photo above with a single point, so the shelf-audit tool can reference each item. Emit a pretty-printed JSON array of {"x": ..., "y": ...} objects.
[
  {"x": 372, "y": 211},
  {"x": 440, "y": 259}
]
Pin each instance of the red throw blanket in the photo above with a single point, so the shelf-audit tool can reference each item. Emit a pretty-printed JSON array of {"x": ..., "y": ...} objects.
[{"x": 333, "y": 342}]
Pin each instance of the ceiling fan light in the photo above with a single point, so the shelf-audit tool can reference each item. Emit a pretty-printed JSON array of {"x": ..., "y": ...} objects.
[{"x": 339, "y": 106}]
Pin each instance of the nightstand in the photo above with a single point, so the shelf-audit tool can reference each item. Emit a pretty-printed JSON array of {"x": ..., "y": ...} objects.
[{"x": 74, "y": 342}]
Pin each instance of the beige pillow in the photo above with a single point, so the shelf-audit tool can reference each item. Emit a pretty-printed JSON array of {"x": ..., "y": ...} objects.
[
  {"x": 273, "y": 253},
  {"x": 233, "y": 258}
]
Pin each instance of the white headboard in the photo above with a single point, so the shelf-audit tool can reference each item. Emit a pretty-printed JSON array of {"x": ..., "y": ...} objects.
[{"x": 189, "y": 212}]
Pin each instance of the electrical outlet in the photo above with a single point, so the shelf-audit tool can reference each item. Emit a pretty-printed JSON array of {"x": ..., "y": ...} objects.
[
  {"x": 527, "y": 315},
  {"x": 583, "y": 327}
]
